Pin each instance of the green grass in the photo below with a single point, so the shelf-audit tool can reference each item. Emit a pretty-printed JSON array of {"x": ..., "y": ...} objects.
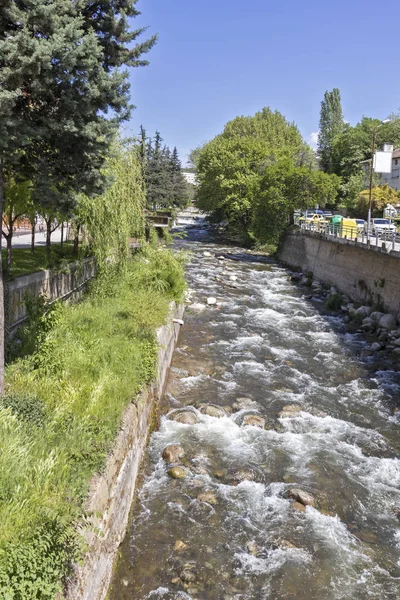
[
  {"x": 62, "y": 412},
  {"x": 24, "y": 262}
]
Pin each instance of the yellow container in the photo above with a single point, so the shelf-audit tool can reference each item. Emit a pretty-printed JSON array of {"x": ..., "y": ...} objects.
[{"x": 348, "y": 229}]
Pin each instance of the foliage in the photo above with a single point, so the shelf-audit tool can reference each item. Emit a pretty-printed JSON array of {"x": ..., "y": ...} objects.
[
  {"x": 230, "y": 167},
  {"x": 283, "y": 189},
  {"x": 334, "y": 301},
  {"x": 330, "y": 125},
  {"x": 24, "y": 262},
  {"x": 165, "y": 184},
  {"x": 111, "y": 219},
  {"x": 382, "y": 195},
  {"x": 27, "y": 408},
  {"x": 90, "y": 365}
]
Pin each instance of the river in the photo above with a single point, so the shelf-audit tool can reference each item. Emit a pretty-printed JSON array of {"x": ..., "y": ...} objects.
[{"x": 228, "y": 530}]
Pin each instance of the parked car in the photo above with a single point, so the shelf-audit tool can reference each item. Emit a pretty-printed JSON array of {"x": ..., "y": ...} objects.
[
  {"x": 327, "y": 214},
  {"x": 313, "y": 218},
  {"x": 380, "y": 226},
  {"x": 361, "y": 224}
]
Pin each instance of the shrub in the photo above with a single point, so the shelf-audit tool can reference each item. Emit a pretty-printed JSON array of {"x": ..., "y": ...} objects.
[{"x": 334, "y": 301}]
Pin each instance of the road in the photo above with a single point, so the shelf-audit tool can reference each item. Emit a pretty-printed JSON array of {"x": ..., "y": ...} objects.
[{"x": 23, "y": 239}]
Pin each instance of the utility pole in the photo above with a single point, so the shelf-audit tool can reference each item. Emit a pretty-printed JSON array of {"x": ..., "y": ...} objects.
[{"x": 371, "y": 178}]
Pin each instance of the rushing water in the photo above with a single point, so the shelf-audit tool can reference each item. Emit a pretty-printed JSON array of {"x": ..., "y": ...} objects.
[{"x": 265, "y": 342}]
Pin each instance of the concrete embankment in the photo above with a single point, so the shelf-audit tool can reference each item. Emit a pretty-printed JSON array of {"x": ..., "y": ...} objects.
[
  {"x": 112, "y": 492},
  {"x": 365, "y": 275}
]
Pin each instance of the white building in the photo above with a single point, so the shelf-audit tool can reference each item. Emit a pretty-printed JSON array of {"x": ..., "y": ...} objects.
[
  {"x": 190, "y": 177},
  {"x": 393, "y": 178}
]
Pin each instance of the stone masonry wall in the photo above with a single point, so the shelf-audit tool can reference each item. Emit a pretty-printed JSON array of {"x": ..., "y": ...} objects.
[{"x": 365, "y": 275}]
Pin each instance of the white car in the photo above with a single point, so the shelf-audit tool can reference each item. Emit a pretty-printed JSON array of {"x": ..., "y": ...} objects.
[
  {"x": 361, "y": 225},
  {"x": 379, "y": 226}
]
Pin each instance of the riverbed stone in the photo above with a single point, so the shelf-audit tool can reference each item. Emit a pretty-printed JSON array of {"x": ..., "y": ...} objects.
[
  {"x": 232, "y": 277},
  {"x": 388, "y": 322},
  {"x": 212, "y": 410},
  {"x": 207, "y": 254},
  {"x": 284, "y": 544},
  {"x": 396, "y": 342},
  {"x": 211, "y": 301},
  {"x": 186, "y": 417},
  {"x": 298, "y": 506},
  {"x": 177, "y": 472},
  {"x": 363, "y": 311},
  {"x": 244, "y": 403},
  {"x": 376, "y": 346},
  {"x": 377, "y": 316},
  {"x": 252, "y": 548},
  {"x": 197, "y": 307},
  {"x": 254, "y": 421},
  {"x": 290, "y": 410},
  {"x": 180, "y": 546},
  {"x": 173, "y": 453},
  {"x": 301, "y": 496},
  {"x": 244, "y": 475},
  {"x": 208, "y": 496}
]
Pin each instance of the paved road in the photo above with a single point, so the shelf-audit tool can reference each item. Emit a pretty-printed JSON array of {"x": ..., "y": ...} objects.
[{"x": 23, "y": 239}]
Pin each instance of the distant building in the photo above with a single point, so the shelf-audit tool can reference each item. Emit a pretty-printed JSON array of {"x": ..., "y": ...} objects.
[
  {"x": 393, "y": 178},
  {"x": 190, "y": 177}
]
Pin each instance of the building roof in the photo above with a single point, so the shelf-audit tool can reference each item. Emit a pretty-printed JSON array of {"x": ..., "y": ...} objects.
[{"x": 396, "y": 153}]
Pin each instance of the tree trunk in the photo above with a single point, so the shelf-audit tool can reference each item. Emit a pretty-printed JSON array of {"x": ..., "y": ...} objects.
[
  {"x": 62, "y": 234},
  {"x": 9, "y": 245},
  {"x": 2, "y": 324},
  {"x": 48, "y": 239},
  {"x": 76, "y": 239},
  {"x": 33, "y": 236}
]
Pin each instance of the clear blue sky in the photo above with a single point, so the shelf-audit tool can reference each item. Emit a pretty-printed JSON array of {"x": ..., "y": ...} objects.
[{"x": 217, "y": 59}]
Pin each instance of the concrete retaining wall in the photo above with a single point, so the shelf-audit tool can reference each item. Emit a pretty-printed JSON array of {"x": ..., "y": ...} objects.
[
  {"x": 112, "y": 492},
  {"x": 52, "y": 284},
  {"x": 365, "y": 275}
]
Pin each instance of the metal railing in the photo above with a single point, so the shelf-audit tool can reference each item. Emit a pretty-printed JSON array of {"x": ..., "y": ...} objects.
[{"x": 386, "y": 239}]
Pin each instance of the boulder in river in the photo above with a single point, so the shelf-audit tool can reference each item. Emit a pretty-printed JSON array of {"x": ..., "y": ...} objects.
[
  {"x": 254, "y": 421},
  {"x": 211, "y": 301},
  {"x": 173, "y": 453},
  {"x": 252, "y": 548},
  {"x": 177, "y": 472},
  {"x": 207, "y": 254},
  {"x": 186, "y": 417},
  {"x": 301, "y": 496},
  {"x": 212, "y": 410},
  {"x": 377, "y": 316},
  {"x": 376, "y": 346},
  {"x": 290, "y": 410},
  {"x": 388, "y": 322},
  {"x": 197, "y": 306},
  {"x": 244, "y": 403},
  {"x": 208, "y": 497},
  {"x": 298, "y": 506},
  {"x": 232, "y": 277},
  {"x": 180, "y": 546}
]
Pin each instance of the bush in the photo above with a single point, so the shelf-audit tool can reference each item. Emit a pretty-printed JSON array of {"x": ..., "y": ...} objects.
[
  {"x": 91, "y": 362},
  {"x": 334, "y": 301}
]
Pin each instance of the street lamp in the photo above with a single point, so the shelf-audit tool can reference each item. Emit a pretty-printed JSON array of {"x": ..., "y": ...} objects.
[{"x": 371, "y": 176}]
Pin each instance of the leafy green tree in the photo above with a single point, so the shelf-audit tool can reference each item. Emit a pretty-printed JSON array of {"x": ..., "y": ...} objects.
[
  {"x": 283, "y": 189},
  {"x": 382, "y": 195},
  {"x": 230, "y": 167},
  {"x": 330, "y": 125}
]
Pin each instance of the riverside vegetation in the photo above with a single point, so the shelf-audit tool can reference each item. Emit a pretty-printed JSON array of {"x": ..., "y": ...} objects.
[{"x": 61, "y": 412}]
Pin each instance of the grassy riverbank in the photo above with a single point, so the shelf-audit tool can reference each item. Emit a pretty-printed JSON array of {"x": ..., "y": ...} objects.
[
  {"x": 62, "y": 411},
  {"x": 24, "y": 262}
]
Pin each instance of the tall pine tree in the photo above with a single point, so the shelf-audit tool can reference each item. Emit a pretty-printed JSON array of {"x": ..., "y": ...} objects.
[
  {"x": 63, "y": 92},
  {"x": 331, "y": 124},
  {"x": 180, "y": 192}
]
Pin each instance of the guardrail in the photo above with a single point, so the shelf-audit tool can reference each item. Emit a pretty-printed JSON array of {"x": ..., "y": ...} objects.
[{"x": 386, "y": 238}]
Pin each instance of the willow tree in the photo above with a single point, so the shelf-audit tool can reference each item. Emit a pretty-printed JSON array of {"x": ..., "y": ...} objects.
[{"x": 111, "y": 219}]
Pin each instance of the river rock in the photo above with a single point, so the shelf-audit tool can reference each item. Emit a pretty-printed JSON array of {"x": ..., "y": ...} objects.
[
  {"x": 186, "y": 417},
  {"x": 244, "y": 403},
  {"x": 243, "y": 475},
  {"x": 197, "y": 306},
  {"x": 208, "y": 497},
  {"x": 254, "y": 421},
  {"x": 207, "y": 254},
  {"x": 180, "y": 546},
  {"x": 377, "y": 316},
  {"x": 232, "y": 278},
  {"x": 211, "y": 301},
  {"x": 298, "y": 506},
  {"x": 316, "y": 284},
  {"x": 284, "y": 544},
  {"x": 397, "y": 342},
  {"x": 212, "y": 410},
  {"x": 173, "y": 453},
  {"x": 376, "y": 346},
  {"x": 188, "y": 575},
  {"x": 290, "y": 410},
  {"x": 301, "y": 496},
  {"x": 388, "y": 322},
  {"x": 252, "y": 548},
  {"x": 363, "y": 311},
  {"x": 177, "y": 472}
]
